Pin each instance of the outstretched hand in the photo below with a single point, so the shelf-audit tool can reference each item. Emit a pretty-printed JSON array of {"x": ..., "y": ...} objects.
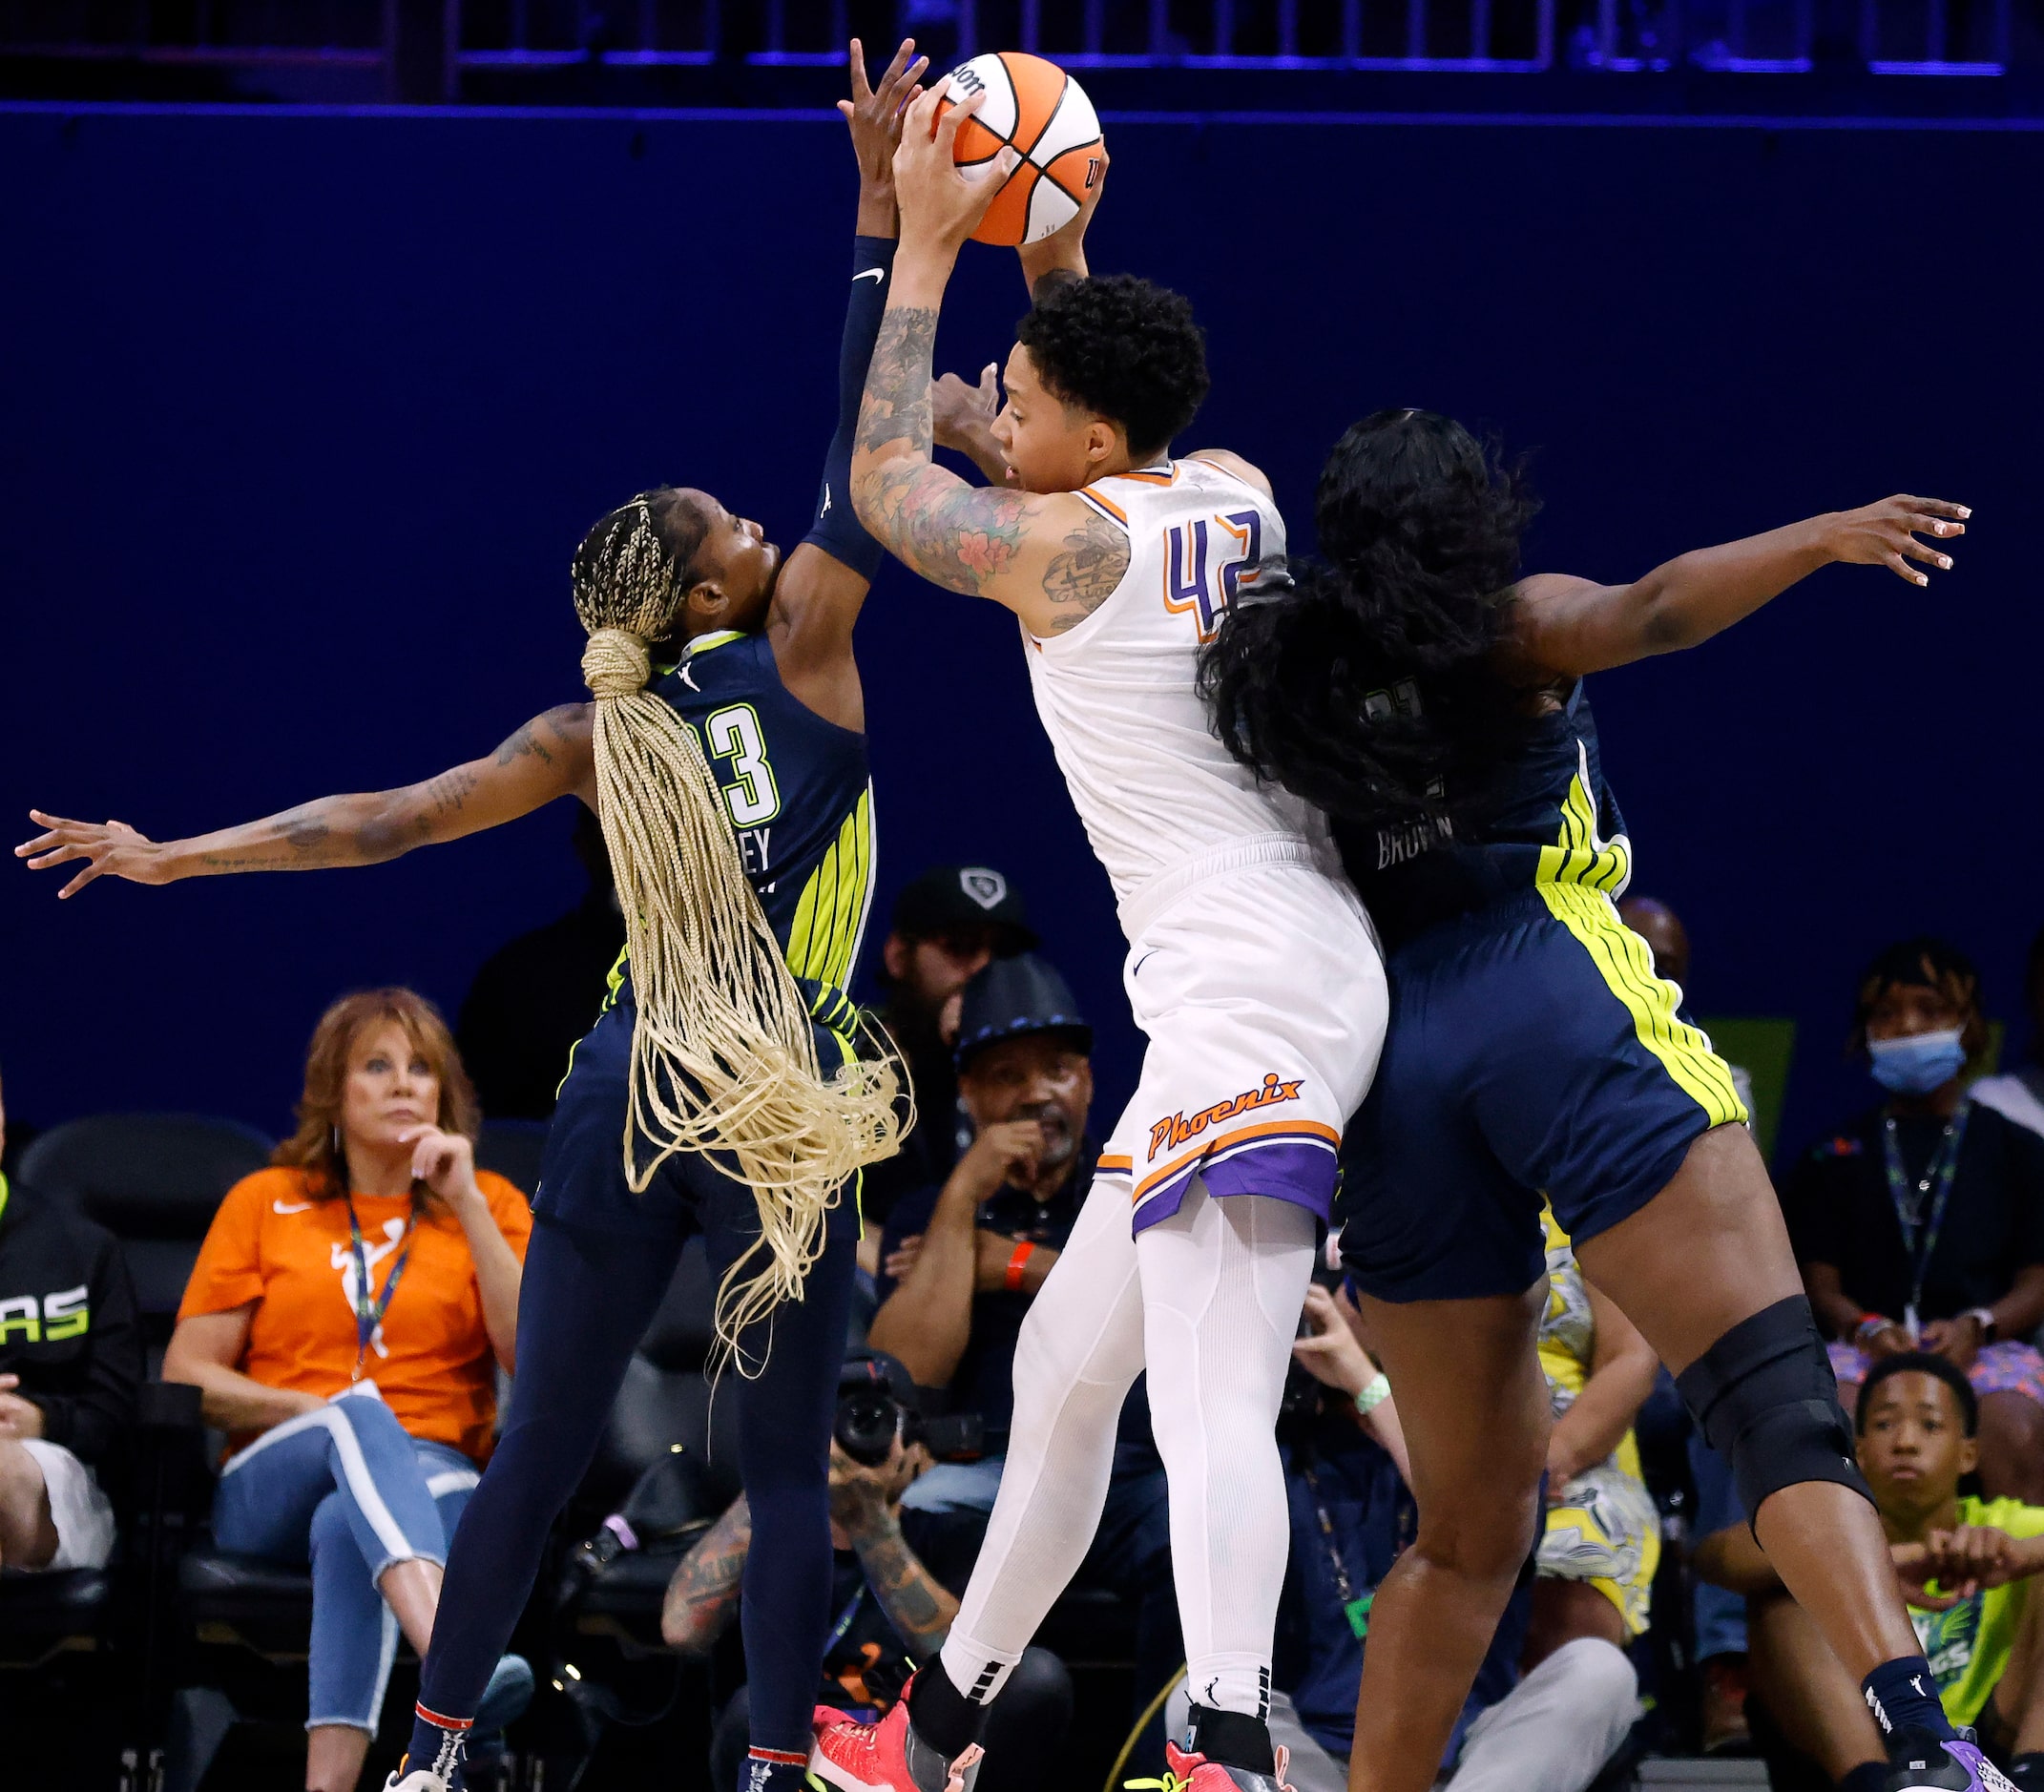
[
  {"x": 960, "y": 415},
  {"x": 874, "y": 114},
  {"x": 940, "y": 206},
  {"x": 109, "y": 850},
  {"x": 1885, "y": 534}
]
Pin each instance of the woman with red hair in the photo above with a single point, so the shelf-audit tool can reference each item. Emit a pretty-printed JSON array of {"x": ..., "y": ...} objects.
[{"x": 344, "y": 1324}]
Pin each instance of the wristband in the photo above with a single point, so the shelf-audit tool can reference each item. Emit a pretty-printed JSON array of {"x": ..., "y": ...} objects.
[
  {"x": 1016, "y": 1264},
  {"x": 1985, "y": 1317},
  {"x": 1372, "y": 1396},
  {"x": 1871, "y": 1324}
]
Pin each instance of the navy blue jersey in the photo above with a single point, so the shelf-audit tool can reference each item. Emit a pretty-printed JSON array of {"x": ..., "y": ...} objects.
[
  {"x": 1553, "y": 821},
  {"x": 798, "y": 794}
]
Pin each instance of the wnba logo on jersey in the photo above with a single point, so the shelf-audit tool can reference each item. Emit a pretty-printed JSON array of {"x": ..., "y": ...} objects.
[
  {"x": 1175, "y": 1129},
  {"x": 1204, "y": 563}
]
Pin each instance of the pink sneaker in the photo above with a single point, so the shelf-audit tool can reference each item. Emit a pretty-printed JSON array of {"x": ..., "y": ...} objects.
[
  {"x": 1195, "y": 1773},
  {"x": 885, "y": 1757}
]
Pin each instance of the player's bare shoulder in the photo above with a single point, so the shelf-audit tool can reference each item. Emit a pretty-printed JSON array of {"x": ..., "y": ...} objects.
[
  {"x": 1229, "y": 462},
  {"x": 1086, "y": 567}
]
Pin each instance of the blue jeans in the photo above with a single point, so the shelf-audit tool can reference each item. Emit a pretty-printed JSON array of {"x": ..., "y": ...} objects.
[
  {"x": 344, "y": 1490},
  {"x": 957, "y": 1487}
]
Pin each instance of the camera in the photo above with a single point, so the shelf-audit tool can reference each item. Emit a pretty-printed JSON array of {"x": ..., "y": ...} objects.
[{"x": 877, "y": 1403}]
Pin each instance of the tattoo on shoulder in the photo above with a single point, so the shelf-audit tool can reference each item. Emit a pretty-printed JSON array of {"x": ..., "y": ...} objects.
[{"x": 1084, "y": 575}]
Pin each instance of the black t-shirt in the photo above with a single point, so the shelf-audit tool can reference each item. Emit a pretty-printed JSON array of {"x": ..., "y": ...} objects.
[
  {"x": 941, "y": 1132},
  {"x": 66, "y": 1324},
  {"x": 866, "y": 1651},
  {"x": 1840, "y": 1212},
  {"x": 985, "y": 1380}
]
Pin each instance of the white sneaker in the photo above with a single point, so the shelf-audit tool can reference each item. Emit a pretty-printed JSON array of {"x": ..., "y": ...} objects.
[{"x": 418, "y": 1780}]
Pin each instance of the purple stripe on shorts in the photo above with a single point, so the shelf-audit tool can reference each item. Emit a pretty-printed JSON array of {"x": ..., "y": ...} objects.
[{"x": 1287, "y": 1170}]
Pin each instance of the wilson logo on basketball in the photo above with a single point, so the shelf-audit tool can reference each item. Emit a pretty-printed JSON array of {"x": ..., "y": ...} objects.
[{"x": 1175, "y": 1129}]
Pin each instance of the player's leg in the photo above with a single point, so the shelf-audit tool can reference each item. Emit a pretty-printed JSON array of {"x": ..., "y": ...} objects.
[
  {"x": 1815, "y": 1704},
  {"x": 584, "y": 1300},
  {"x": 786, "y": 1407},
  {"x": 1080, "y": 1352},
  {"x": 1222, "y": 1284},
  {"x": 1705, "y": 1270},
  {"x": 2011, "y": 1445},
  {"x": 2015, "y": 1714},
  {"x": 1474, "y": 1409}
]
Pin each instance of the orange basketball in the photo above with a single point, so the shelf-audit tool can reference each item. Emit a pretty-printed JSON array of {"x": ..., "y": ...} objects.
[{"x": 1044, "y": 113}]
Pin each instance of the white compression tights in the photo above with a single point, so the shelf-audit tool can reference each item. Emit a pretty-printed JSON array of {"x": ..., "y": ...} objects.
[{"x": 1209, "y": 1300}]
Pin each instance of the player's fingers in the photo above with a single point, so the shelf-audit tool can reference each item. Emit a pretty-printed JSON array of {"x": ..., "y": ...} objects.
[
  {"x": 59, "y": 855},
  {"x": 1933, "y": 507},
  {"x": 79, "y": 881},
  {"x": 847, "y": 109},
  {"x": 861, "y": 87},
  {"x": 956, "y": 115},
  {"x": 1925, "y": 551},
  {"x": 901, "y": 72},
  {"x": 1901, "y": 569},
  {"x": 990, "y": 381},
  {"x": 896, "y": 63},
  {"x": 921, "y": 117}
]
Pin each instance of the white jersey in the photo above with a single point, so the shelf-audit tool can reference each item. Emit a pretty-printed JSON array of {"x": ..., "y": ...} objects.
[{"x": 1152, "y": 783}]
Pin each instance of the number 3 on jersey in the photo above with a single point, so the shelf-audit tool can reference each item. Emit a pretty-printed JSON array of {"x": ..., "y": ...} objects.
[
  {"x": 734, "y": 735},
  {"x": 1204, "y": 561}
]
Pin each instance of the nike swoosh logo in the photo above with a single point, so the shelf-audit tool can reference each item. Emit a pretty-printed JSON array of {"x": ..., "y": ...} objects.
[
  {"x": 291, "y": 1207},
  {"x": 874, "y": 274}
]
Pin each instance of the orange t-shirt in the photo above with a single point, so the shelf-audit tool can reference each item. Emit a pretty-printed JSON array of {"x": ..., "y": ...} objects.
[{"x": 271, "y": 1244}]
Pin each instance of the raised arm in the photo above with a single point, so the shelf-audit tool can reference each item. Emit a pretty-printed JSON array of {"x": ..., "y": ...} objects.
[
  {"x": 1568, "y": 627},
  {"x": 821, "y": 591},
  {"x": 553, "y": 756},
  {"x": 1049, "y": 558}
]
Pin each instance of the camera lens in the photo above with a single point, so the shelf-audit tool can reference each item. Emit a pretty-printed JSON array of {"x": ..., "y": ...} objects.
[{"x": 868, "y": 1421}]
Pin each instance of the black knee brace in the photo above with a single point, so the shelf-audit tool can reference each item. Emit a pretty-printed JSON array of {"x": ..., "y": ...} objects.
[{"x": 1765, "y": 1399}]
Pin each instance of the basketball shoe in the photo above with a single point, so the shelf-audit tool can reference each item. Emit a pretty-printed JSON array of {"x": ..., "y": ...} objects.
[
  {"x": 1195, "y": 1773},
  {"x": 1954, "y": 1765},
  {"x": 885, "y": 1757}
]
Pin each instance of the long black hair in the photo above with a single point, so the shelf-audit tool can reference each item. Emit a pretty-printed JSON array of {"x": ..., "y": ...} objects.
[{"x": 1371, "y": 687}]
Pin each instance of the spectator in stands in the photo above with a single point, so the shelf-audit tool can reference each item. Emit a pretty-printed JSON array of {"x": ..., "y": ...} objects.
[
  {"x": 71, "y": 1359},
  {"x": 537, "y": 996},
  {"x": 1982, "y": 1624},
  {"x": 357, "y": 1416},
  {"x": 1662, "y": 930},
  {"x": 895, "y": 1592},
  {"x": 970, "y": 1255},
  {"x": 2020, "y": 1094},
  {"x": 948, "y": 923},
  {"x": 1921, "y": 1223}
]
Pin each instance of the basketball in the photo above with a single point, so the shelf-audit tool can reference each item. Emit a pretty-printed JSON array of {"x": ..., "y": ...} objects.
[{"x": 1045, "y": 114}]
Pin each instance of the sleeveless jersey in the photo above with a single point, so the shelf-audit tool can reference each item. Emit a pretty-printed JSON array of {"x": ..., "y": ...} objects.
[
  {"x": 1555, "y": 820},
  {"x": 797, "y": 790},
  {"x": 1153, "y": 786}
]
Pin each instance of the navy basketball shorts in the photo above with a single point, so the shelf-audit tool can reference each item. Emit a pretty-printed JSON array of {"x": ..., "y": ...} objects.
[
  {"x": 582, "y": 1173},
  {"x": 1531, "y": 1048}
]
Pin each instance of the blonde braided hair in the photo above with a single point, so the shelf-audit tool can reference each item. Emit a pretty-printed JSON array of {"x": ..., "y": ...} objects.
[{"x": 723, "y": 1059}]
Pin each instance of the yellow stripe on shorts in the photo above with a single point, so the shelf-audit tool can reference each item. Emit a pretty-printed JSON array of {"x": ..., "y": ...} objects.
[{"x": 1626, "y": 965}]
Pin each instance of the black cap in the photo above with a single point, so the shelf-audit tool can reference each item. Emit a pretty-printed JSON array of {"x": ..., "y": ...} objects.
[
  {"x": 1009, "y": 997},
  {"x": 957, "y": 898},
  {"x": 866, "y": 1368}
]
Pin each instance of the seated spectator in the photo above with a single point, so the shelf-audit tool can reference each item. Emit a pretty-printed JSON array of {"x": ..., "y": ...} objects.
[
  {"x": 1662, "y": 930},
  {"x": 948, "y": 923},
  {"x": 71, "y": 1359},
  {"x": 358, "y": 1418},
  {"x": 967, "y": 1258},
  {"x": 538, "y": 994},
  {"x": 1921, "y": 1223},
  {"x": 2020, "y": 1094},
  {"x": 1966, "y": 1565},
  {"x": 894, "y": 1590}
]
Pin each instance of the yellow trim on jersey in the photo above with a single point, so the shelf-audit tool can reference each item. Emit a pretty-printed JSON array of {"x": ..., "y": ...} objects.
[
  {"x": 717, "y": 637},
  {"x": 1580, "y": 856},
  {"x": 831, "y": 914},
  {"x": 1626, "y": 965}
]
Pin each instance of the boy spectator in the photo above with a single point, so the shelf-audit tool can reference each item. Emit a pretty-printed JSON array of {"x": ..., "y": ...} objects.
[
  {"x": 1966, "y": 1565},
  {"x": 71, "y": 1360},
  {"x": 893, "y": 1589},
  {"x": 948, "y": 923}
]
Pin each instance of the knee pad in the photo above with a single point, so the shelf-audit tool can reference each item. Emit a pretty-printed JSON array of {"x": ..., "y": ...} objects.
[{"x": 1765, "y": 1399}]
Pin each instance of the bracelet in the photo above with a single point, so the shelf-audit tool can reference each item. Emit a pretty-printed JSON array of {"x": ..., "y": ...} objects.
[
  {"x": 1870, "y": 1325},
  {"x": 1984, "y": 1318},
  {"x": 1016, "y": 1264},
  {"x": 1370, "y": 1398}
]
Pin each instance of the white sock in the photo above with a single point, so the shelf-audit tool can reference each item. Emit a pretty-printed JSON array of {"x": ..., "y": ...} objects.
[
  {"x": 1558, "y": 1727},
  {"x": 1080, "y": 1351},
  {"x": 1223, "y": 1282}
]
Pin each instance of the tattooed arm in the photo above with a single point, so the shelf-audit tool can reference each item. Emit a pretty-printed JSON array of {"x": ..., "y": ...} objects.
[
  {"x": 553, "y": 755},
  {"x": 865, "y": 1504},
  {"x": 702, "y": 1598}
]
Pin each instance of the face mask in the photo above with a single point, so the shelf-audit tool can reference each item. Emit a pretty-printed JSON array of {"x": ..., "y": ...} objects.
[{"x": 1919, "y": 1063}]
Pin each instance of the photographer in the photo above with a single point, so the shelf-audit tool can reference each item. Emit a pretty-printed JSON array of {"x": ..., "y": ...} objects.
[{"x": 891, "y": 1590}]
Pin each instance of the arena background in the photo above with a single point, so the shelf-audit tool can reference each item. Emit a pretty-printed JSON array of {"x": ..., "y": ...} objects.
[{"x": 303, "y": 412}]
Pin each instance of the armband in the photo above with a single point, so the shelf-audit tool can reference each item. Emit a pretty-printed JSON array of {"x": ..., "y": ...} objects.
[
  {"x": 1374, "y": 1394},
  {"x": 1016, "y": 1264}
]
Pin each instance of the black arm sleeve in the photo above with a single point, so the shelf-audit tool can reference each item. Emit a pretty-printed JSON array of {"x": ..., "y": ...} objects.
[
  {"x": 92, "y": 1423},
  {"x": 836, "y": 528}
]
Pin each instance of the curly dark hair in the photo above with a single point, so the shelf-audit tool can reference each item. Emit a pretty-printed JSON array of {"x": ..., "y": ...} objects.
[
  {"x": 1125, "y": 349},
  {"x": 1923, "y": 962},
  {"x": 1371, "y": 687}
]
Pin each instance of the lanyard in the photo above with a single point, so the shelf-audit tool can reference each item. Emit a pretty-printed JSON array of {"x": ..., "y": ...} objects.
[
  {"x": 1355, "y": 1609},
  {"x": 369, "y": 1311},
  {"x": 844, "y": 1620},
  {"x": 1908, "y": 1203}
]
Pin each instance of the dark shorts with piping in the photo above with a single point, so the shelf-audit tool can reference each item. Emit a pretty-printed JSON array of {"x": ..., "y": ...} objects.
[{"x": 1531, "y": 1048}]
